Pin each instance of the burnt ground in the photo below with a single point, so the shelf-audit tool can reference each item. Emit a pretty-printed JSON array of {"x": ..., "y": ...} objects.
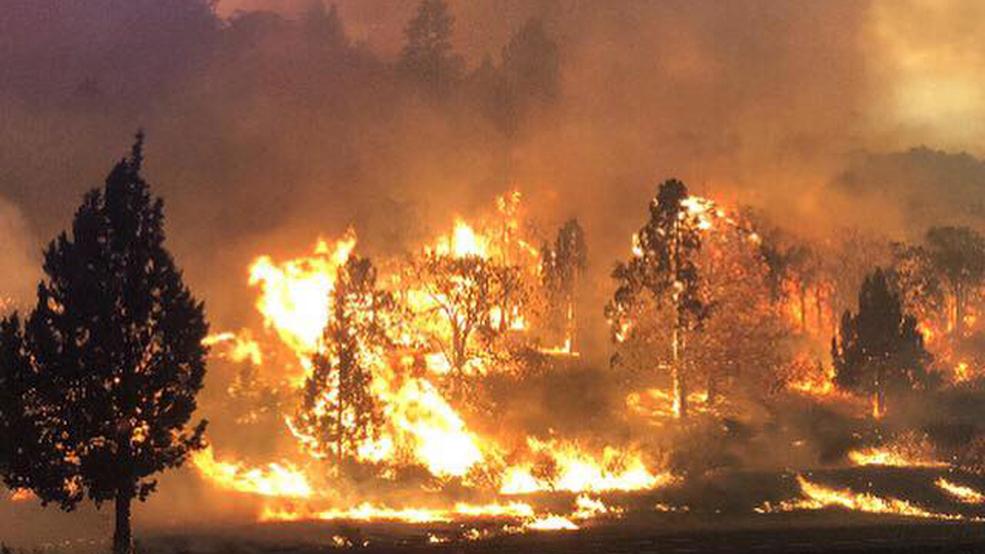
[
  {"x": 779, "y": 536},
  {"x": 712, "y": 514}
]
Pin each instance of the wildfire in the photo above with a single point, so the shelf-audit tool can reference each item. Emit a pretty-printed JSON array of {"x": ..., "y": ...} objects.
[
  {"x": 552, "y": 523},
  {"x": 817, "y": 496},
  {"x": 294, "y": 298},
  {"x": 892, "y": 457},
  {"x": 578, "y": 471},
  {"x": 240, "y": 347},
  {"x": 463, "y": 242},
  {"x": 421, "y": 427},
  {"x": 525, "y": 516},
  {"x": 657, "y": 403},
  {"x": 443, "y": 443},
  {"x": 275, "y": 480},
  {"x": 962, "y": 372},
  {"x": 369, "y": 512},
  {"x": 963, "y": 493}
]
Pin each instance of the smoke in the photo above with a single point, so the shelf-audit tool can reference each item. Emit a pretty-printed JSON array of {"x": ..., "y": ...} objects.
[
  {"x": 260, "y": 142},
  {"x": 19, "y": 260}
]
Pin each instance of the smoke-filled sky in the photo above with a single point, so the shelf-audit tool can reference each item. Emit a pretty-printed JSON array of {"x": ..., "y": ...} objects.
[{"x": 258, "y": 144}]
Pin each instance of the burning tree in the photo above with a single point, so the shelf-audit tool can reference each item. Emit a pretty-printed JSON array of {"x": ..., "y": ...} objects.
[
  {"x": 745, "y": 341},
  {"x": 957, "y": 254},
  {"x": 879, "y": 348},
  {"x": 562, "y": 266},
  {"x": 663, "y": 272},
  {"x": 109, "y": 363},
  {"x": 463, "y": 290},
  {"x": 338, "y": 410},
  {"x": 795, "y": 271}
]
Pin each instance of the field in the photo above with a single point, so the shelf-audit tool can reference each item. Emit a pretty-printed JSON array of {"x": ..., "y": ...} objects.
[{"x": 722, "y": 513}]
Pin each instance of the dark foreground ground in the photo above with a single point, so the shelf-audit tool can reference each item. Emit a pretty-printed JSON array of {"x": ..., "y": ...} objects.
[
  {"x": 718, "y": 514},
  {"x": 878, "y": 537}
]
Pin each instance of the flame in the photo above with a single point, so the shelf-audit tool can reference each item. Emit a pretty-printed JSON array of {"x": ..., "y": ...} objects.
[
  {"x": 421, "y": 427},
  {"x": 21, "y": 495},
  {"x": 443, "y": 443},
  {"x": 463, "y": 242},
  {"x": 552, "y": 523},
  {"x": 962, "y": 372},
  {"x": 240, "y": 347},
  {"x": 892, "y": 457},
  {"x": 368, "y": 512},
  {"x": 928, "y": 332},
  {"x": 276, "y": 480},
  {"x": 963, "y": 493},
  {"x": 579, "y": 471},
  {"x": 517, "y": 511},
  {"x": 294, "y": 298},
  {"x": 587, "y": 507},
  {"x": 817, "y": 496}
]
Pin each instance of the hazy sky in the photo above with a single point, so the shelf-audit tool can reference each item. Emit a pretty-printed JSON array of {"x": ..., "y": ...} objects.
[
  {"x": 258, "y": 149},
  {"x": 926, "y": 57}
]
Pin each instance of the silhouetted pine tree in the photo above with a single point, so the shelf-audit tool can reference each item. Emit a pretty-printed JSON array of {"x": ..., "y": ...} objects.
[
  {"x": 531, "y": 72},
  {"x": 879, "y": 348},
  {"x": 427, "y": 55},
  {"x": 105, "y": 372}
]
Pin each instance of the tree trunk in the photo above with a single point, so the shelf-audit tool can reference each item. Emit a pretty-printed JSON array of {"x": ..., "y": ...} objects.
[
  {"x": 958, "y": 311},
  {"x": 803, "y": 307},
  {"x": 712, "y": 388},
  {"x": 879, "y": 396},
  {"x": 817, "y": 303},
  {"x": 677, "y": 371},
  {"x": 122, "y": 535},
  {"x": 340, "y": 436},
  {"x": 571, "y": 327}
]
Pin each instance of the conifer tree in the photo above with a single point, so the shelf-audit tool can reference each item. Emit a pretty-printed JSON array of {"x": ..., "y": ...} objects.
[
  {"x": 339, "y": 409},
  {"x": 106, "y": 369},
  {"x": 663, "y": 274},
  {"x": 879, "y": 348},
  {"x": 427, "y": 55},
  {"x": 562, "y": 265}
]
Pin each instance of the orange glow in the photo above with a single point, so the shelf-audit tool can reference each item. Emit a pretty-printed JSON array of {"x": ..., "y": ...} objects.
[
  {"x": 238, "y": 347},
  {"x": 965, "y": 494},
  {"x": 276, "y": 480},
  {"x": 421, "y": 426},
  {"x": 892, "y": 457},
  {"x": 21, "y": 495},
  {"x": 817, "y": 496}
]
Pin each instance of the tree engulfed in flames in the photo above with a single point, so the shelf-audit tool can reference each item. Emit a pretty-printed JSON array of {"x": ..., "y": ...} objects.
[{"x": 437, "y": 330}]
